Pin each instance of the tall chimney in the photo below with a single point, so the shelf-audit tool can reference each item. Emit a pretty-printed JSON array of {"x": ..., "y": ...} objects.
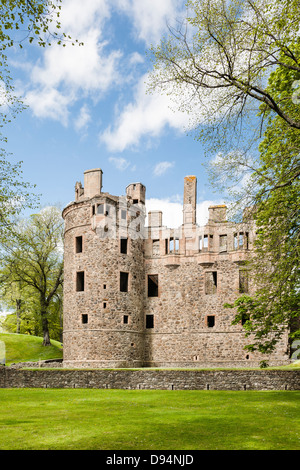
[
  {"x": 189, "y": 200},
  {"x": 92, "y": 182}
]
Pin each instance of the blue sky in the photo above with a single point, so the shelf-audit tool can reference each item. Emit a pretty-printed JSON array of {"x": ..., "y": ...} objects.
[{"x": 88, "y": 108}]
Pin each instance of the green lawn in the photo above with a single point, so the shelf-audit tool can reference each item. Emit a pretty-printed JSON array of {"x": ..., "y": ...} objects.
[
  {"x": 25, "y": 348},
  {"x": 87, "y": 419}
]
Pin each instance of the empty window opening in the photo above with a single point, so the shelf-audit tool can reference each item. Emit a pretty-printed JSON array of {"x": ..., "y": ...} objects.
[
  {"x": 100, "y": 209},
  {"x": 235, "y": 241},
  {"x": 80, "y": 281},
  {"x": 135, "y": 201},
  {"x": 245, "y": 318},
  {"x": 210, "y": 320},
  {"x": 123, "y": 282},
  {"x": 84, "y": 318},
  {"x": 78, "y": 244},
  {"x": 223, "y": 242},
  {"x": 200, "y": 243},
  {"x": 125, "y": 319},
  {"x": 211, "y": 282},
  {"x": 241, "y": 240},
  {"x": 153, "y": 285},
  {"x": 93, "y": 210},
  {"x": 124, "y": 245},
  {"x": 246, "y": 245},
  {"x": 243, "y": 281},
  {"x": 104, "y": 304},
  {"x": 104, "y": 286},
  {"x": 205, "y": 241},
  {"x": 149, "y": 321},
  {"x": 174, "y": 245},
  {"x": 155, "y": 247},
  {"x": 166, "y": 246}
]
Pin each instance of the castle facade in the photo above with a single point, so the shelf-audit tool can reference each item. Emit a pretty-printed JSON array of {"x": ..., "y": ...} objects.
[{"x": 152, "y": 296}]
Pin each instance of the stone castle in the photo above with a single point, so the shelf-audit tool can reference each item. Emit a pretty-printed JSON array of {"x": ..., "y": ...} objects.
[{"x": 152, "y": 296}]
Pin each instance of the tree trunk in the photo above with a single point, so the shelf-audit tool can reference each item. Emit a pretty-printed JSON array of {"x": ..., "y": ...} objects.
[
  {"x": 18, "y": 312},
  {"x": 46, "y": 335}
]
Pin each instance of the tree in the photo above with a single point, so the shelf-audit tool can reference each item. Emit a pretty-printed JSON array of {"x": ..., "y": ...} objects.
[
  {"x": 235, "y": 67},
  {"x": 32, "y": 255},
  {"x": 275, "y": 306},
  {"x": 21, "y": 22},
  {"x": 218, "y": 59}
]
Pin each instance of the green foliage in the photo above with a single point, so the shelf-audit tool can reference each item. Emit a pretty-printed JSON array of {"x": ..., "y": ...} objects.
[
  {"x": 21, "y": 22},
  {"x": 228, "y": 62},
  {"x": 32, "y": 271}
]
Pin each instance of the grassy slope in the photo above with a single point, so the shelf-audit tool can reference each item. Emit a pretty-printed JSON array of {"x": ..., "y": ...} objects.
[{"x": 25, "y": 348}]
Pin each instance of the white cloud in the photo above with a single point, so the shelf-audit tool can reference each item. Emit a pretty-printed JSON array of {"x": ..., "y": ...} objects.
[
  {"x": 148, "y": 115},
  {"x": 150, "y": 17},
  {"x": 173, "y": 211},
  {"x": 74, "y": 71},
  {"x": 162, "y": 167},
  {"x": 83, "y": 118},
  {"x": 49, "y": 102},
  {"x": 119, "y": 162}
]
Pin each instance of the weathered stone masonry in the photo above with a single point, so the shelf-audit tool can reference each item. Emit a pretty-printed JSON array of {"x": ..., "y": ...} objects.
[
  {"x": 153, "y": 296},
  {"x": 152, "y": 379}
]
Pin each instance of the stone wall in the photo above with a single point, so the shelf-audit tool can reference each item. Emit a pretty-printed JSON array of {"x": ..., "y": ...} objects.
[
  {"x": 170, "y": 311},
  {"x": 152, "y": 379}
]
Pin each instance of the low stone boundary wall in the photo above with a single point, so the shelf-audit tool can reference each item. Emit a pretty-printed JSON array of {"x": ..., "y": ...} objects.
[{"x": 152, "y": 379}]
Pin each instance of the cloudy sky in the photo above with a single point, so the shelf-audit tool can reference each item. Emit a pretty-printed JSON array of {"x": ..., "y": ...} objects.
[{"x": 88, "y": 108}]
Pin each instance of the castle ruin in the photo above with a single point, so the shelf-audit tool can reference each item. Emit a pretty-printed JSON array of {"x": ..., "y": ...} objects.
[{"x": 153, "y": 296}]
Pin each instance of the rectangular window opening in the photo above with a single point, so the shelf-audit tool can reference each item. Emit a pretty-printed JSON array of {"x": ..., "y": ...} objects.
[
  {"x": 149, "y": 321},
  {"x": 124, "y": 245},
  {"x": 80, "y": 281},
  {"x": 78, "y": 245},
  {"x": 100, "y": 209},
  {"x": 210, "y": 321},
  {"x": 211, "y": 282},
  {"x": 125, "y": 319},
  {"x": 153, "y": 285},
  {"x": 223, "y": 243},
  {"x": 84, "y": 318},
  {"x": 123, "y": 282}
]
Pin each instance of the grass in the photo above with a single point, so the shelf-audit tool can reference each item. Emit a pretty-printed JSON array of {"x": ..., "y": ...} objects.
[
  {"x": 90, "y": 419},
  {"x": 25, "y": 348}
]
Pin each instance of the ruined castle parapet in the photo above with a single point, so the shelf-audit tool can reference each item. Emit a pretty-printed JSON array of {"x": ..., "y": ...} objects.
[{"x": 137, "y": 295}]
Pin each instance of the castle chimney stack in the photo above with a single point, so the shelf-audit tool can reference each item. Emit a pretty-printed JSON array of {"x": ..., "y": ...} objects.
[
  {"x": 92, "y": 182},
  {"x": 189, "y": 200}
]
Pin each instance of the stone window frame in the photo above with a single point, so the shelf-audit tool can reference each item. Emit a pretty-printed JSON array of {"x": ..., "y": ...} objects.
[
  {"x": 207, "y": 320},
  {"x": 76, "y": 244},
  {"x": 147, "y": 286},
  {"x": 215, "y": 275},
  {"x": 149, "y": 316},
  {"x": 128, "y": 245},
  {"x": 78, "y": 281},
  {"x": 128, "y": 282}
]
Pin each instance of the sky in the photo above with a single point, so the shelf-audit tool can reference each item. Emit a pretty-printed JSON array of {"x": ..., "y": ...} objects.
[{"x": 88, "y": 107}]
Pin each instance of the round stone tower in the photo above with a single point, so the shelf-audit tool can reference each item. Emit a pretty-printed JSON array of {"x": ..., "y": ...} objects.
[{"x": 104, "y": 276}]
